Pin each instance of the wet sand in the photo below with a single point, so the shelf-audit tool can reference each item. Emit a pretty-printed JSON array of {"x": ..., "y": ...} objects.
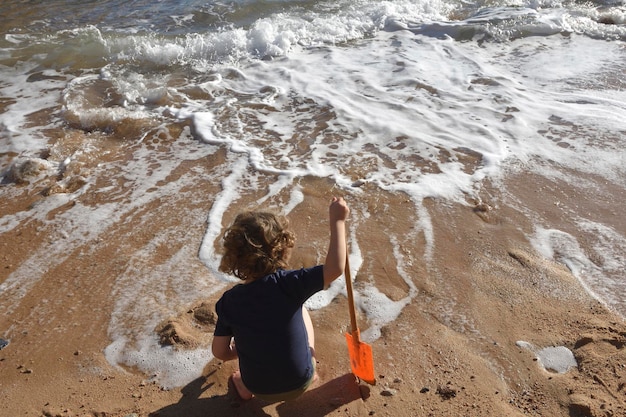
[{"x": 453, "y": 351}]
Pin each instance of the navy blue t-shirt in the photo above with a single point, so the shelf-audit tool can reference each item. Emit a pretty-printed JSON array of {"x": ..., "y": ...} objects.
[{"x": 265, "y": 318}]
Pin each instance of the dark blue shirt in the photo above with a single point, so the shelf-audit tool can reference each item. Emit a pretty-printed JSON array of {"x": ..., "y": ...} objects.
[{"x": 265, "y": 318}]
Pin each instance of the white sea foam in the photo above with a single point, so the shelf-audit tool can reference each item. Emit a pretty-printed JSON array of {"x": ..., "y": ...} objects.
[
  {"x": 564, "y": 248},
  {"x": 557, "y": 359},
  {"x": 169, "y": 367},
  {"x": 16, "y": 135},
  {"x": 221, "y": 203},
  {"x": 379, "y": 308},
  {"x": 602, "y": 278}
]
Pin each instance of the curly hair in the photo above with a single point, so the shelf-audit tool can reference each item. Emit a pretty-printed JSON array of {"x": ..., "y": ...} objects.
[{"x": 256, "y": 244}]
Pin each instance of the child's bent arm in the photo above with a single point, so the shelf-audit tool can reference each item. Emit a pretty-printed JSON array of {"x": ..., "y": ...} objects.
[
  {"x": 222, "y": 348},
  {"x": 335, "y": 263}
]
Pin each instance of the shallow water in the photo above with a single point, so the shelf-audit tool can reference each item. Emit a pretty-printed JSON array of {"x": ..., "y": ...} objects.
[{"x": 425, "y": 99}]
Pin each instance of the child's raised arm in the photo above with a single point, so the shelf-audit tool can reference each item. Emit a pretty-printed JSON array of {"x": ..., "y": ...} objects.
[{"x": 336, "y": 257}]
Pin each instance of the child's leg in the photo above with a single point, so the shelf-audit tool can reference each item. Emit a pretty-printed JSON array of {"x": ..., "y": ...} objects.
[
  {"x": 309, "y": 329},
  {"x": 243, "y": 392},
  {"x": 311, "y": 335}
]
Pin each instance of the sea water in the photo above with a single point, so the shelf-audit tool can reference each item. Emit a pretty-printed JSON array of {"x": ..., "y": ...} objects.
[{"x": 428, "y": 98}]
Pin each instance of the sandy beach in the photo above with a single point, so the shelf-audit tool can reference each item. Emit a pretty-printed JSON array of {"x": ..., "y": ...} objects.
[
  {"x": 453, "y": 351},
  {"x": 479, "y": 145}
]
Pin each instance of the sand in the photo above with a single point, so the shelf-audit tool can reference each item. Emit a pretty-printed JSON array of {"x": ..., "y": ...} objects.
[{"x": 453, "y": 351}]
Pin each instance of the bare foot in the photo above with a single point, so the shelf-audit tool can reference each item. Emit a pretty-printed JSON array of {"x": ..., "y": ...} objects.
[{"x": 243, "y": 392}]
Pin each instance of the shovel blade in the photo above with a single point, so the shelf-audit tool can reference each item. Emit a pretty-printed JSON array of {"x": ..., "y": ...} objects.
[{"x": 361, "y": 358}]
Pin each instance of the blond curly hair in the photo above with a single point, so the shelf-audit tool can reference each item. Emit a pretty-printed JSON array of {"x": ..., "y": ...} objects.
[{"x": 256, "y": 244}]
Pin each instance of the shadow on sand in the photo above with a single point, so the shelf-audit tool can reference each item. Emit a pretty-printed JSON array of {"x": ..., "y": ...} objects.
[{"x": 316, "y": 402}]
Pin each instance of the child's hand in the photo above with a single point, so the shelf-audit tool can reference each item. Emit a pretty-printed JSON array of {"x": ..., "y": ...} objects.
[{"x": 338, "y": 209}]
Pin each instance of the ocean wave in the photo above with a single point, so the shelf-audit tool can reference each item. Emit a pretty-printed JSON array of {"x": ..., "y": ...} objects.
[{"x": 280, "y": 31}]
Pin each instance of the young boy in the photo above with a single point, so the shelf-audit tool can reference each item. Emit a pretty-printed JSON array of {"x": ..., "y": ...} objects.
[{"x": 272, "y": 331}]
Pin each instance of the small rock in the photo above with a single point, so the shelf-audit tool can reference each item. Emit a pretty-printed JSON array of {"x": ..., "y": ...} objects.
[
  {"x": 49, "y": 411},
  {"x": 388, "y": 392},
  {"x": 446, "y": 392},
  {"x": 482, "y": 208},
  {"x": 424, "y": 390}
]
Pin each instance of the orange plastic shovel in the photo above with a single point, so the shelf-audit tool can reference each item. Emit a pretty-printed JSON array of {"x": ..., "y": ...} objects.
[{"x": 361, "y": 358}]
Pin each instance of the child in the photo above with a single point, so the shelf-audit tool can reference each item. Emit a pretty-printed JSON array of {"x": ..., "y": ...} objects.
[{"x": 272, "y": 331}]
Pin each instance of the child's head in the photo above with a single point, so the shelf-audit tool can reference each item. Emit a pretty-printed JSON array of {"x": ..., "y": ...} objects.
[{"x": 256, "y": 244}]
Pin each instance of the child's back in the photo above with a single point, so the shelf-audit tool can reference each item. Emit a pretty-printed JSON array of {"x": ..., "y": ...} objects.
[{"x": 265, "y": 315}]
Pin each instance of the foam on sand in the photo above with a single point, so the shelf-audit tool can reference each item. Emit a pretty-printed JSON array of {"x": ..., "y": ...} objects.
[{"x": 557, "y": 359}]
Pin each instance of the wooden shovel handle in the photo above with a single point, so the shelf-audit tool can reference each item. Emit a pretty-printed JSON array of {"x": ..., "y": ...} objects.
[{"x": 350, "y": 296}]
